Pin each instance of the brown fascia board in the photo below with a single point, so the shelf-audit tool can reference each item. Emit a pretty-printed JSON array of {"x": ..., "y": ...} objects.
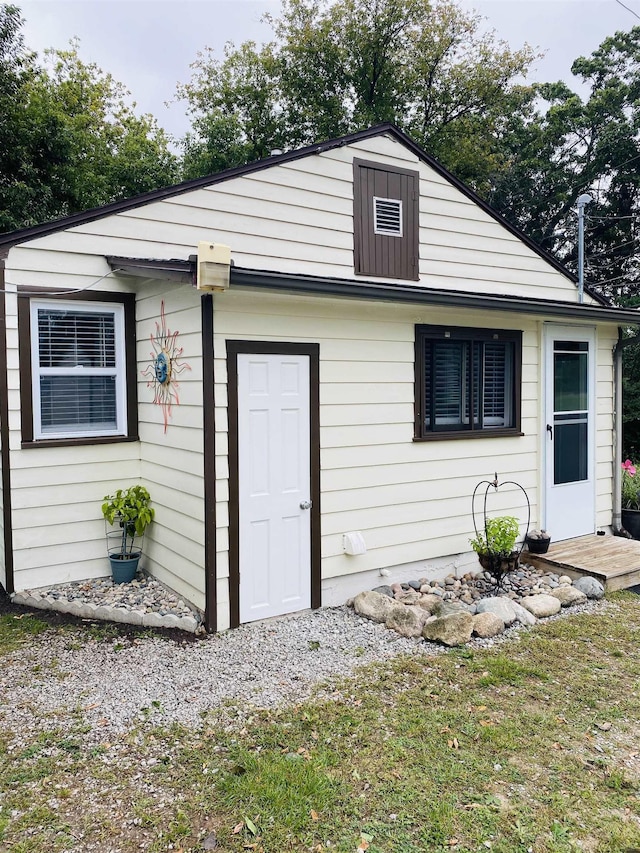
[
  {"x": 14, "y": 238},
  {"x": 415, "y": 294}
]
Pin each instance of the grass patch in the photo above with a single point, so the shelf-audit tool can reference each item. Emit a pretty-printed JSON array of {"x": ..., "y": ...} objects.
[
  {"x": 528, "y": 746},
  {"x": 17, "y": 630}
]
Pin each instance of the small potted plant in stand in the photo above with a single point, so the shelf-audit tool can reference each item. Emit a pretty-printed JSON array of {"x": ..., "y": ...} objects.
[
  {"x": 127, "y": 515},
  {"x": 631, "y": 499},
  {"x": 496, "y": 546}
]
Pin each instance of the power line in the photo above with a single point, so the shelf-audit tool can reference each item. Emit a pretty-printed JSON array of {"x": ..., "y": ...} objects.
[{"x": 633, "y": 12}]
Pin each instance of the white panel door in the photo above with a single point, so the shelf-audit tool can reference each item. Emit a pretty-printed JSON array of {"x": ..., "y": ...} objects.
[
  {"x": 274, "y": 485},
  {"x": 570, "y": 432}
]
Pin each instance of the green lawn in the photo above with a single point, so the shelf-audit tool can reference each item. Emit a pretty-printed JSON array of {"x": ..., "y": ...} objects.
[{"x": 533, "y": 745}]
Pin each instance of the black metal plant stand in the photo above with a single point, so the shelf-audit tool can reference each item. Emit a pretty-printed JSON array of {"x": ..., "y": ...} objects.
[{"x": 498, "y": 564}]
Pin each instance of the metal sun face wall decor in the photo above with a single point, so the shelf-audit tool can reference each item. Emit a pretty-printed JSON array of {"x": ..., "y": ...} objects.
[{"x": 165, "y": 367}]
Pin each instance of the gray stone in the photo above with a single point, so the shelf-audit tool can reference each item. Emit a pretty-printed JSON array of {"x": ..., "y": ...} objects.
[
  {"x": 171, "y": 621},
  {"x": 103, "y": 612},
  {"x": 384, "y": 590},
  {"x": 152, "y": 620},
  {"x": 522, "y": 614},
  {"x": 415, "y": 585},
  {"x": 451, "y": 630},
  {"x": 568, "y": 595},
  {"x": 591, "y": 587},
  {"x": 407, "y": 621},
  {"x": 487, "y": 625},
  {"x": 500, "y": 606},
  {"x": 564, "y": 579},
  {"x": 188, "y": 623},
  {"x": 408, "y": 596},
  {"x": 542, "y": 605}
]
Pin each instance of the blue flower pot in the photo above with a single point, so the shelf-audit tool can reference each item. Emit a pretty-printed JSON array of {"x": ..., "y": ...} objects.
[{"x": 123, "y": 570}]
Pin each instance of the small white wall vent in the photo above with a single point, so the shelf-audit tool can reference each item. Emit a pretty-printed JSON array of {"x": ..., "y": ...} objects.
[
  {"x": 353, "y": 543},
  {"x": 387, "y": 216}
]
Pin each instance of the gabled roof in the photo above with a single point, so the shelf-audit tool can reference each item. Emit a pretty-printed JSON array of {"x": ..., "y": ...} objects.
[{"x": 22, "y": 235}]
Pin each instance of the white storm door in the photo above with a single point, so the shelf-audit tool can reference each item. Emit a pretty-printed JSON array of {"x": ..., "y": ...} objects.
[
  {"x": 570, "y": 432},
  {"x": 274, "y": 485}
]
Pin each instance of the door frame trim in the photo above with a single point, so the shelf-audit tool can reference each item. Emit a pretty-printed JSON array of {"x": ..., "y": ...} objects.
[
  {"x": 235, "y": 348},
  {"x": 590, "y": 333}
]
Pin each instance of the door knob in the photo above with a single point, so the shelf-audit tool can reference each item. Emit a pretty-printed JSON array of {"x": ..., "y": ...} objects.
[{"x": 305, "y": 504}]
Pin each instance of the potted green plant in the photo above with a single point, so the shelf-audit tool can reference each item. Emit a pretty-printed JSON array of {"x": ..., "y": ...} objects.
[
  {"x": 495, "y": 546},
  {"x": 631, "y": 498},
  {"x": 129, "y": 514}
]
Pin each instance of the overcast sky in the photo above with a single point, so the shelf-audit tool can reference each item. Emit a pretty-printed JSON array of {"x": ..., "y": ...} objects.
[{"x": 149, "y": 44}]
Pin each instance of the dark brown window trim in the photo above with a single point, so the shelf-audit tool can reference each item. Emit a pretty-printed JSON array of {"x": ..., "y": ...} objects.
[
  {"x": 485, "y": 433},
  {"x": 466, "y": 333},
  {"x": 234, "y": 348},
  {"x": 25, "y": 294},
  {"x": 78, "y": 442}
]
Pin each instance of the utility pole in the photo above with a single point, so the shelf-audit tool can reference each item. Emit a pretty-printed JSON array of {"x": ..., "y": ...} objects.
[{"x": 583, "y": 200}]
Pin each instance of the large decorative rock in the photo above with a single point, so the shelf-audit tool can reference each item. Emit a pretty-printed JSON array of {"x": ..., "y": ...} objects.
[
  {"x": 407, "y": 621},
  {"x": 568, "y": 595},
  {"x": 451, "y": 630},
  {"x": 487, "y": 625},
  {"x": 373, "y": 605},
  {"x": 408, "y": 596},
  {"x": 541, "y": 605},
  {"x": 591, "y": 587},
  {"x": 430, "y": 603},
  {"x": 500, "y": 606},
  {"x": 522, "y": 615}
]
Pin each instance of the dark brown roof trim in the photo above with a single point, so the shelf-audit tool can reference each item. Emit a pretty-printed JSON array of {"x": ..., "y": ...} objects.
[
  {"x": 414, "y": 294},
  {"x": 15, "y": 237}
]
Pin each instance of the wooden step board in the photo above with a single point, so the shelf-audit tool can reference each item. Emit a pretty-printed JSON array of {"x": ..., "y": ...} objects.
[{"x": 614, "y": 561}]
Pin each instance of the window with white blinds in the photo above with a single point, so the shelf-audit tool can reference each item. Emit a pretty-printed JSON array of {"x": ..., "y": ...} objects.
[
  {"x": 465, "y": 371},
  {"x": 78, "y": 369}
]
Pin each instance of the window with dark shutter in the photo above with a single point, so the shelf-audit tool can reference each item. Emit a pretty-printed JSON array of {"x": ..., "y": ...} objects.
[
  {"x": 385, "y": 216},
  {"x": 467, "y": 381}
]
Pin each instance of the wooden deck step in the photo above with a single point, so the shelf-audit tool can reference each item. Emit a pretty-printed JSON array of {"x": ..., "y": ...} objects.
[{"x": 614, "y": 561}]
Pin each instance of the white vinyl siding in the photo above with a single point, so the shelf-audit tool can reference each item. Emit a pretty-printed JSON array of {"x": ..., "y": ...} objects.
[
  {"x": 298, "y": 218},
  {"x": 78, "y": 369}
]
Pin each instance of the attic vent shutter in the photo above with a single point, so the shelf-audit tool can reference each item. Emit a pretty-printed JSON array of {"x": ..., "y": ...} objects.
[{"x": 387, "y": 216}]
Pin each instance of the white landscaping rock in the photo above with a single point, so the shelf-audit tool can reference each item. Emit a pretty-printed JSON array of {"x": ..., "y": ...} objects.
[
  {"x": 542, "y": 605},
  {"x": 487, "y": 625},
  {"x": 568, "y": 595},
  {"x": 452, "y": 630},
  {"x": 408, "y": 621},
  {"x": 373, "y": 605},
  {"x": 500, "y": 606},
  {"x": 522, "y": 615}
]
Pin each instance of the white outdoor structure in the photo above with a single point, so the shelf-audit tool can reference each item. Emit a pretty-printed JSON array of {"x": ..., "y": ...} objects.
[{"x": 334, "y": 388}]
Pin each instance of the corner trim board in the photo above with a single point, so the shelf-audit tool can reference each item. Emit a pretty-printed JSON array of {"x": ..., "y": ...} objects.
[
  {"x": 5, "y": 460},
  {"x": 208, "y": 399}
]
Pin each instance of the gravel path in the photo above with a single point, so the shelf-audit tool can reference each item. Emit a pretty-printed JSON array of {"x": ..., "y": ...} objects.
[{"x": 114, "y": 683}]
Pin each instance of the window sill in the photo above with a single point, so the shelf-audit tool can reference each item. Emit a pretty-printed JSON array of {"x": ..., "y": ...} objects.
[
  {"x": 78, "y": 442},
  {"x": 493, "y": 433}
]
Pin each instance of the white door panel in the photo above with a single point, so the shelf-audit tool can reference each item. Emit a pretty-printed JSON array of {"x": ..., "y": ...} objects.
[
  {"x": 273, "y": 481},
  {"x": 570, "y": 431}
]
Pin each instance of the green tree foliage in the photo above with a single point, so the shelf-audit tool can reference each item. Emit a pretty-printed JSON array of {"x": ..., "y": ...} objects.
[
  {"x": 68, "y": 138},
  {"x": 336, "y": 68},
  {"x": 573, "y": 145}
]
